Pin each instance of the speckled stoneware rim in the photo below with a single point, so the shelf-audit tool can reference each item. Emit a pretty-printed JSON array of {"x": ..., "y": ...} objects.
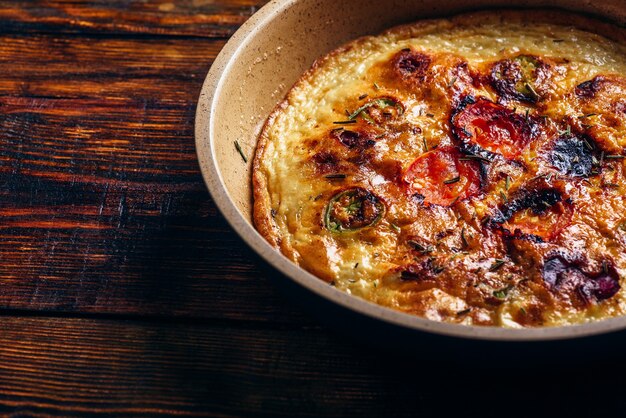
[{"x": 205, "y": 147}]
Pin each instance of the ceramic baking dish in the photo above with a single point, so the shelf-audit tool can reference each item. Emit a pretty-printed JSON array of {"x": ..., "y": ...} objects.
[{"x": 252, "y": 74}]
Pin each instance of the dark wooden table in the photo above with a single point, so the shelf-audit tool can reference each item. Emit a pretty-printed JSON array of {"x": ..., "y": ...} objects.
[{"x": 122, "y": 289}]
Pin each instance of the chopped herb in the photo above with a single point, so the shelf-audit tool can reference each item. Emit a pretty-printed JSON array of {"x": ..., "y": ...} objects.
[
  {"x": 587, "y": 144},
  {"x": 344, "y": 122},
  {"x": 507, "y": 182},
  {"x": 356, "y": 265},
  {"x": 425, "y": 144},
  {"x": 452, "y": 180},
  {"x": 587, "y": 116},
  {"x": 532, "y": 91},
  {"x": 614, "y": 157},
  {"x": 273, "y": 213},
  {"x": 363, "y": 96},
  {"x": 335, "y": 176},
  {"x": 451, "y": 83},
  {"x": 438, "y": 269},
  {"x": 456, "y": 199},
  {"x": 474, "y": 157},
  {"x": 605, "y": 267},
  {"x": 622, "y": 226},
  {"x": 463, "y": 312},
  {"x": 522, "y": 311},
  {"x": 240, "y": 151},
  {"x": 502, "y": 293},
  {"x": 382, "y": 103},
  {"x": 549, "y": 176},
  {"x": 337, "y": 130},
  {"x": 526, "y": 115},
  {"x": 419, "y": 247},
  {"x": 430, "y": 115},
  {"x": 376, "y": 86},
  {"x": 567, "y": 131},
  {"x": 496, "y": 265},
  {"x": 463, "y": 239},
  {"x": 503, "y": 196},
  {"x": 395, "y": 227}
]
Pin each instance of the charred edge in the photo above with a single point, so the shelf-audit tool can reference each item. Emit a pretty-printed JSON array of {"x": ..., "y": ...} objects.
[
  {"x": 426, "y": 270},
  {"x": 411, "y": 65},
  {"x": 588, "y": 89},
  {"x": 573, "y": 156},
  {"x": 536, "y": 200},
  {"x": 353, "y": 139},
  {"x": 508, "y": 79},
  {"x": 559, "y": 274}
]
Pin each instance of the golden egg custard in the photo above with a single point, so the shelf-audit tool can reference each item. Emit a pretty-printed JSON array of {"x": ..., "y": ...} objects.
[{"x": 466, "y": 170}]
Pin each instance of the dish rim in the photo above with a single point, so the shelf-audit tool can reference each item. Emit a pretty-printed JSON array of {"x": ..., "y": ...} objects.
[{"x": 205, "y": 150}]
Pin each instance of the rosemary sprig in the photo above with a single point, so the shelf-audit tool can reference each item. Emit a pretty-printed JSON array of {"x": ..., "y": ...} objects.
[
  {"x": 240, "y": 151},
  {"x": 463, "y": 239},
  {"x": 474, "y": 157},
  {"x": 335, "y": 176},
  {"x": 452, "y": 180},
  {"x": 419, "y": 247},
  {"x": 497, "y": 264}
]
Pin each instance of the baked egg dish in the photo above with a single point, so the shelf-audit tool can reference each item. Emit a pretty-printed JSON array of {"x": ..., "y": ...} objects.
[{"x": 467, "y": 170}]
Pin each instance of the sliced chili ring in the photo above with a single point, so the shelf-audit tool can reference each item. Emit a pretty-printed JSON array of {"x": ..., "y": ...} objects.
[
  {"x": 442, "y": 176},
  {"x": 353, "y": 209},
  {"x": 493, "y": 127},
  {"x": 517, "y": 78},
  {"x": 379, "y": 110}
]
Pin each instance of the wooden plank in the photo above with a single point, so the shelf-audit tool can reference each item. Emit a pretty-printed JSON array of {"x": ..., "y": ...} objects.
[
  {"x": 81, "y": 367},
  {"x": 102, "y": 205},
  {"x": 203, "y": 18}
]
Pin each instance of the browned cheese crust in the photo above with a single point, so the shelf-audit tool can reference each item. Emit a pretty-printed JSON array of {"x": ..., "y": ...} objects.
[{"x": 467, "y": 170}]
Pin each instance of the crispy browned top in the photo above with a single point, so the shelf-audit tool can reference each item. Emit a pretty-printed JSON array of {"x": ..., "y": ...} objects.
[{"x": 481, "y": 191}]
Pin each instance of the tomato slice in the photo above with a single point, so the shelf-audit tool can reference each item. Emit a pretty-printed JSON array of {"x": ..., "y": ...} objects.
[
  {"x": 442, "y": 176},
  {"x": 494, "y": 128},
  {"x": 546, "y": 225},
  {"x": 535, "y": 213}
]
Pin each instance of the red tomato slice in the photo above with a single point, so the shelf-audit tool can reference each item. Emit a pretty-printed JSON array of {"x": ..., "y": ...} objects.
[
  {"x": 443, "y": 177},
  {"x": 546, "y": 225},
  {"x": 494, "y": 128}
]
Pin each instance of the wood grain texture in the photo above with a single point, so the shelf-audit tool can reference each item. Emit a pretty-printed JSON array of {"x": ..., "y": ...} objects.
[
  {"x": 81, "y": 367},
  {"x": 202, "y": 18},
  {"x": 102, "y": 205}
]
